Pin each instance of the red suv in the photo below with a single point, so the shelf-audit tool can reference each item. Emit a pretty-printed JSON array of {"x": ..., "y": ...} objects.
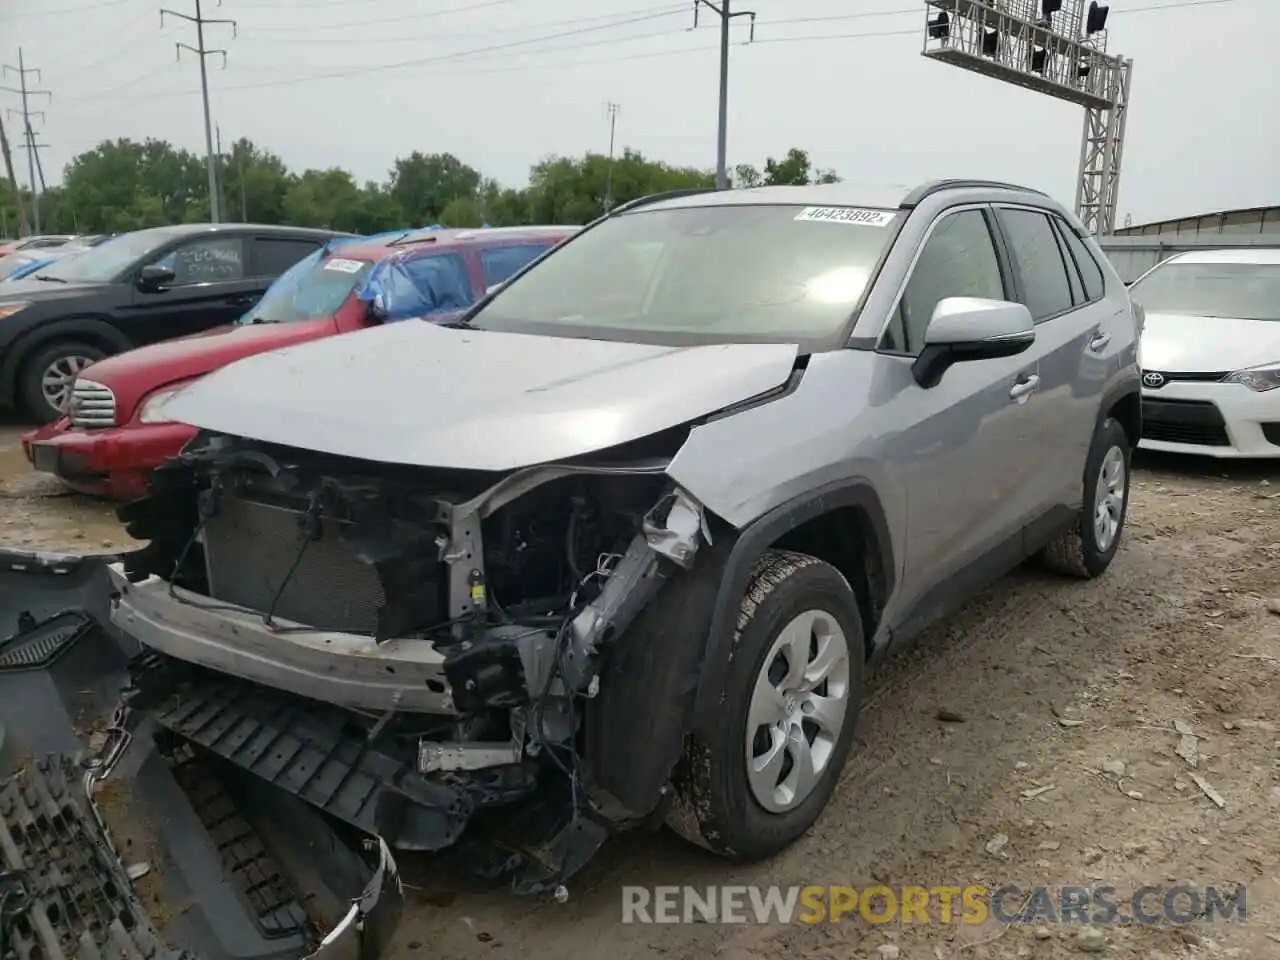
[{"x": 115, "y": 432}]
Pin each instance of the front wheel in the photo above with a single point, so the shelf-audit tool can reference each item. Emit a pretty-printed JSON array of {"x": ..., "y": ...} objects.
[
  {"x": 759, "y": 781},
  {"x": 48, "y": 377},
  {"x": 1087, "y": 548}
]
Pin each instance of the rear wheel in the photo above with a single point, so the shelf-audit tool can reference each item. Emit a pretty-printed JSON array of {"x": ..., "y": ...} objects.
[
  {"x": 760, "y": 780},
  {"x": 44, "y": 387},
  {"x": 1087, "y": 548}
]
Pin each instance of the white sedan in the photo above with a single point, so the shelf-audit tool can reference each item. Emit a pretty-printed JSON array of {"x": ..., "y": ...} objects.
[{"x": 1210, "y": 353}]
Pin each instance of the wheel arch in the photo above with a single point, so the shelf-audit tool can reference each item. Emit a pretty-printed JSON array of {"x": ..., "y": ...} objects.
[
  {"x": 665, "y": 674},
  {"x": 1124, "y": 402},
  {"x": 843, "y": 524},
  {"x": 94, "y": 330}
]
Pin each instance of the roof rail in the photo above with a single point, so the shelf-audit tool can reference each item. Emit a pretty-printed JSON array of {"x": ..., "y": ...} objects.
[
  {"x": 937, "y": 186},
  {"x": 657, "y": 197}
]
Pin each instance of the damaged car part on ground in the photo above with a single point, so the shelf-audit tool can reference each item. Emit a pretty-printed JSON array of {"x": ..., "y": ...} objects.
[
  {"x": 120, "y": 838},
  {"x": 618, "y": 546}
]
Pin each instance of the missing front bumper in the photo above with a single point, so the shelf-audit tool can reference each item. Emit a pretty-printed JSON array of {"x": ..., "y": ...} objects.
[{"x": 343, "y": 669}]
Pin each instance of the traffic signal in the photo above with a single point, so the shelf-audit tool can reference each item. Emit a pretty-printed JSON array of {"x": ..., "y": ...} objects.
[{"x": 1096, "y": 19}]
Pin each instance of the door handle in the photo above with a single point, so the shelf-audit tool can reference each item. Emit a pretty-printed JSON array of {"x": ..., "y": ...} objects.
[
  {"x": 1024, "y": 387},
  {"x": 1099, "y": 341},
  {"x": 240, "y": 300}
]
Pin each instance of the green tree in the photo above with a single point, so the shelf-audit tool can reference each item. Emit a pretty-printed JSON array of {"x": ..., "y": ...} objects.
[
  {"x": 796, "y": 169},
  {"x": 323, "y": 198},
  {"x": 125, "y": 185},
  {"x": 745, "y": 176},
  {"x": 254, "y": 183},
  {"x": 423, "y": 184},
  {"x": 565, "y": 190}
]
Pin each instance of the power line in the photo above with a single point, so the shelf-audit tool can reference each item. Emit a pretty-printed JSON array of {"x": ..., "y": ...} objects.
[
  {"x": 92, "y": 65},
  {"x": 620, "y": 18},
  {"x": 543, "y": 65},
  {"x": 445, "y": 57},
  {"x": 471, "y": 8},
  {"x": 29, "y": 137},
  {"x": 667, "y": 10},
  {"x": 203, "y": 53},
  {"x": 74, "y": 11}
]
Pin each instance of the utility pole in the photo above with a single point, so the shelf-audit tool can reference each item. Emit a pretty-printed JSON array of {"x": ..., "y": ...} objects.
[
  {"x": 217, "y": 146},
  {"x": 200, "y": 20},
  {"x": 23, "y": 229},
  {"x": 28, "y": 136},
  {"x": 33, "y": 150},
  {"x": 721, "y": 10},
  {"x": 612, "y": 109}
]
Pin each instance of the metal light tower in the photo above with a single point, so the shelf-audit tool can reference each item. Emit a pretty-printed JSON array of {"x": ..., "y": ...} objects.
[{"x": 1054, "y": 47}]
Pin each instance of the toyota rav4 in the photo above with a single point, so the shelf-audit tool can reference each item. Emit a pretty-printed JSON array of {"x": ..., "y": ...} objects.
[{"x": 620, "y": 543}]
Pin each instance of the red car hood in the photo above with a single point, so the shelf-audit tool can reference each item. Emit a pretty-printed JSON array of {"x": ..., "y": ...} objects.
[{"x": 133, "y": 375}]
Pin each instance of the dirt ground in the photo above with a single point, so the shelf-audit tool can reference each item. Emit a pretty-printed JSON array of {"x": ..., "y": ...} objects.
[{"x": 1044, "y": 683}]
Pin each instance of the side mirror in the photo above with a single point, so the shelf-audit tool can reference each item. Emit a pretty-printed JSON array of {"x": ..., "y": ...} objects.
[
  {"x": 153, "y": 277},
  {"x": 969, "y": 328}
]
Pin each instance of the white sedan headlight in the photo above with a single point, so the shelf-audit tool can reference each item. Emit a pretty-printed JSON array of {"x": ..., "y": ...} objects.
[
  {"x": 1261, "y": 378},
  {"x": 153, "y": 407}
]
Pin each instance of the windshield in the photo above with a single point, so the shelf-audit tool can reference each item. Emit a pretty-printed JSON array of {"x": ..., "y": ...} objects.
[
  {"x": 105, "y": 262},
  {"x": 309, "y": 290},
  {"x": 715, "y": 274},
  {"x": 1245, "y": 291}
]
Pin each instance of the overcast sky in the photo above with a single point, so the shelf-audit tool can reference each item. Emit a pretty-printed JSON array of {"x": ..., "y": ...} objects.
[{"x": 501, "y": 83}]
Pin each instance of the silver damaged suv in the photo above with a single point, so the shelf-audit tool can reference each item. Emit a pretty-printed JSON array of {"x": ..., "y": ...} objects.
[{"x": 620, "y": 544}]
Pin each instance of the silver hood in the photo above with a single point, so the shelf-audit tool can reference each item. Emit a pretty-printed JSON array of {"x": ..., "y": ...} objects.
[{"x": 414, "y": 393}]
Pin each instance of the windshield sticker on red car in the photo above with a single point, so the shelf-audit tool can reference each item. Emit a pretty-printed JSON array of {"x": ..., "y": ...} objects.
[
  {"x": 343, "y": 266},
  {"x": 855, "y": 215}
]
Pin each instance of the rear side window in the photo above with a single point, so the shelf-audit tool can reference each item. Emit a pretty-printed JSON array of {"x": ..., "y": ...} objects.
[
  {"x": 272, "y": 256},
  {"x": 1090, "y": 272},
  {"x": 499, "y": 263},
  {"x": 1035, "y": 250}
]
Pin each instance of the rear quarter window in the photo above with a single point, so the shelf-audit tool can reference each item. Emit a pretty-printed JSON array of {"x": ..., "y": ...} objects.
[{"x": 499, "y": 263}]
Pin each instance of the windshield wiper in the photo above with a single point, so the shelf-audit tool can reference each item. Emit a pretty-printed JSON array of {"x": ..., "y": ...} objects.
[{"x": 48, "y": 279}]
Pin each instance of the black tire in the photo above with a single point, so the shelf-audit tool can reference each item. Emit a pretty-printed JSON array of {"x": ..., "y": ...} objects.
[
  {"x": 715, "y": 806},
  {"x": 1076, "y": 552},
  {"x": 30, "y": 393}
]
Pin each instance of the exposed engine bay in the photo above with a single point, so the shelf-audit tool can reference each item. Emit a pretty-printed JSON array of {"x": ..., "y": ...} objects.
[{"x": 451, "y": 641}]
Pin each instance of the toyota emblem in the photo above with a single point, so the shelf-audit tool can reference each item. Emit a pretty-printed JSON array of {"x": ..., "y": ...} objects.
[{"x": 1153, "y": 380}]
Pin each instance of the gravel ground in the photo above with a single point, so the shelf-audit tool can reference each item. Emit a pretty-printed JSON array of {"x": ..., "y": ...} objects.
[{"x": 1098, "y": 690}]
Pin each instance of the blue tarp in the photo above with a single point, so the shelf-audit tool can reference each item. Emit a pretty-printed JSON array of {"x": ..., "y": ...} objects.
[{"x": 408, "y": 285}]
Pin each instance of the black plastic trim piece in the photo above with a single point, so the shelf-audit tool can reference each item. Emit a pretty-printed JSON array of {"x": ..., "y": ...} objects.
[{"x": 750, "y": 544}]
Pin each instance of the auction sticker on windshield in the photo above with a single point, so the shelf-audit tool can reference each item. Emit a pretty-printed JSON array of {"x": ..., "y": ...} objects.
[
  {"x": 344, "y": 266},
  {"x": 855, "y": 215}
]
